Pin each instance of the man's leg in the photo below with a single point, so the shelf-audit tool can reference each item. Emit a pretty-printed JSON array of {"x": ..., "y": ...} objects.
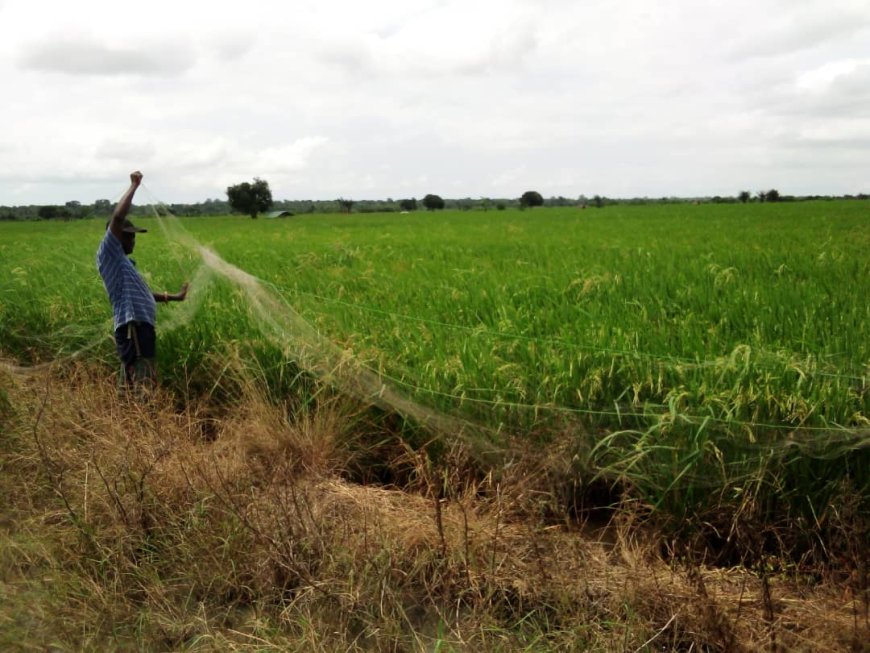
[{"x": 136, "y": 345}]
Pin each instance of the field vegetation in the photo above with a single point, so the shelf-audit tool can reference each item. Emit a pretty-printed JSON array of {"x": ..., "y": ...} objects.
[{"x": 624, "y": 395}]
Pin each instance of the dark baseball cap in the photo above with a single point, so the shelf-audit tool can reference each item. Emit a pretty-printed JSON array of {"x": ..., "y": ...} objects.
[{"x": 129, "y": 227}]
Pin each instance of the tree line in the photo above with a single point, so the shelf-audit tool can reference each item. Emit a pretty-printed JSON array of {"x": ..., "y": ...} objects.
[
  {"x": 255, "y": 198},
  {"x": 261, "y": 197}
]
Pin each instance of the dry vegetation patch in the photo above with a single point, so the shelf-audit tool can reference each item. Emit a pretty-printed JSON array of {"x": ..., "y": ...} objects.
[{"x": 167, "y": 525}]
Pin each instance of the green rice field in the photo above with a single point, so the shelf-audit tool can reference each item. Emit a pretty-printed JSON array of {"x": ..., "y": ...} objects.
[
  {"x": 678, "y": 341},
  {"x": 755, "y": 312}
]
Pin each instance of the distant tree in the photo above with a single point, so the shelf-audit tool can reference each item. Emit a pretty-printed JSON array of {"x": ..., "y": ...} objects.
[
  {"x": 761, "y": 195},
  {"x": 433, "y": 202},
  {"x": 215, "y": 207},
  {"x": 531, "y": 198},
  {"x": 250, "y": 199},
  {"x": 500, "y": 206},
  {"x": 48, "y": 212},
  {"x": 598, "y": 201},
  {"x": 102, "y": 207},
  {"x": 77, "y": 210},
  {"x": 772, "y": 195},
  {"x": 346, "y": 205},
  {"x": 485, "y": 203},
  {"x": 744, "y": 196},
  {"x": 408, "y": 205}
]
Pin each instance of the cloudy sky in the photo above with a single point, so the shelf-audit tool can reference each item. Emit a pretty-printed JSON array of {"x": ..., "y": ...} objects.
[{"x": 463, "y": 98}]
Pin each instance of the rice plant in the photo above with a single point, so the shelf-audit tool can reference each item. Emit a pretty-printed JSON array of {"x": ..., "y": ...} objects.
[{"x": 693, "y": 349}]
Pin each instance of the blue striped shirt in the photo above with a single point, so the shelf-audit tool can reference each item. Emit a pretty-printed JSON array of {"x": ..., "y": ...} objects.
[{"x": 130, "y": 296}]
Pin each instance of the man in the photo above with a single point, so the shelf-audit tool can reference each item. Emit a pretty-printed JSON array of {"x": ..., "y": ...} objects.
[{"x": 133, "y": 304}]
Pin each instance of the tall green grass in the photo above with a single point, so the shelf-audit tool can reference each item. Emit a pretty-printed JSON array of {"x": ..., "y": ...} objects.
[
  {"x": 722, "y": 346},
  {"x": 735, "y": 312},
  {"x": 747, "y": 313}
]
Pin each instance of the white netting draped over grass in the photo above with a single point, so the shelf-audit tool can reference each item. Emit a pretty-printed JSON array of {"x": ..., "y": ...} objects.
[{"x": 442, "y": 377}]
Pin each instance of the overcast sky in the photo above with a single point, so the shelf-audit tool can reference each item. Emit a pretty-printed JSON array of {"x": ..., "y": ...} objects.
[{"x": 399, "y": 98}]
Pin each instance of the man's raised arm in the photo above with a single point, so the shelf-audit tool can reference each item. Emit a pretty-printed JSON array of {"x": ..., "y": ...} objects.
[{"x": 124, "y": 204}]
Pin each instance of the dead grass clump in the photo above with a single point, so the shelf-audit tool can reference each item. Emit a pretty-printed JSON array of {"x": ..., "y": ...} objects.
[{"x": 124, "y": 527}]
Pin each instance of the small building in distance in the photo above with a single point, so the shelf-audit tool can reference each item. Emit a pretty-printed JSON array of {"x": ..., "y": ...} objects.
[{"x": 278, "y": 214}]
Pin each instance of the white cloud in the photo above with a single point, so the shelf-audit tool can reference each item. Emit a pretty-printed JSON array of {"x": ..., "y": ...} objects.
[
  {"x": 86, "y": 56},
  {"x": 476, "y": 38},
  {"x": 820, "y": 79},
  {"x": 230, "y": 45},
  {"x": 798, "y": 26},
  {"x": 209, "y": 166},
  {"x": 290, "y": 157},
  {"x": 120, "y": 149},
  {"x": 472, "y": 97}
]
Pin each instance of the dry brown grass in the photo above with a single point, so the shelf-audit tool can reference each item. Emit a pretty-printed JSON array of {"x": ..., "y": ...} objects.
[{"x": 129, "y": 525}]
